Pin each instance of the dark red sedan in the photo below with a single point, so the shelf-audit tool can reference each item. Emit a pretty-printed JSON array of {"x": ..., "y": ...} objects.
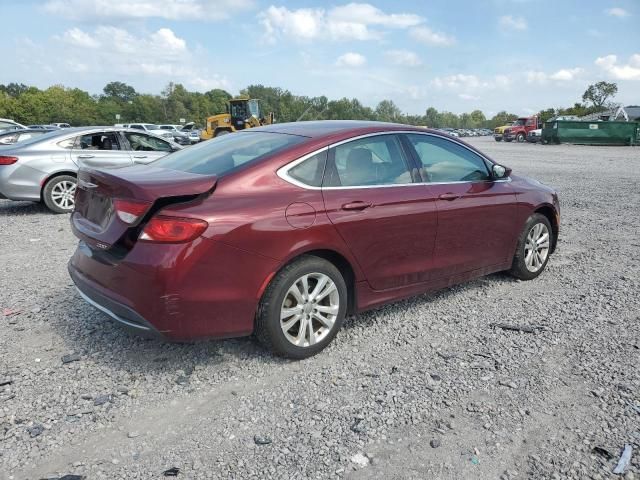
[{"x": 283, "y": 230}]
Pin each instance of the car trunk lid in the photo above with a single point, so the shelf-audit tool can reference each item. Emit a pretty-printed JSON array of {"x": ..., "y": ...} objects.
[{"x": 142, "y": 189}]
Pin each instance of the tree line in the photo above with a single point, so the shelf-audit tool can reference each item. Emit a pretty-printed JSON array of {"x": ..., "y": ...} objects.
[{"x": 30, "y": 105}]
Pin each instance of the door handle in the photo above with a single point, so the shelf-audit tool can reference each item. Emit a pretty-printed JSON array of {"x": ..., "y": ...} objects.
[
  {"x": 86, "y": 156},
  {"x": 356, "y": 206},
  {"x": 139, "y": 156},
  {"x": 449, "y": 196}
]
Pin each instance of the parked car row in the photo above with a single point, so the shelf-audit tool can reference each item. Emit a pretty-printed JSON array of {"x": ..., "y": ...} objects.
[
  {"x": 181, "y": 134},
  {"x": 465, "y": 132}
]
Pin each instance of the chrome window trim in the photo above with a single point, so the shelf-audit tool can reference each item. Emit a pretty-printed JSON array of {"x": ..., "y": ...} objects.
[{"x": 283, "y": 172}]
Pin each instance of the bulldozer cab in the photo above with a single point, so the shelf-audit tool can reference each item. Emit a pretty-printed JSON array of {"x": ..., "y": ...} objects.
[{"x": 243, "y": 111}]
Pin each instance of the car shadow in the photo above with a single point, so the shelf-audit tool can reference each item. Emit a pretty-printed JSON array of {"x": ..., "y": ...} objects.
[
  {"x": 9, "y": 207},
  {"x": 93, "y": 335}
]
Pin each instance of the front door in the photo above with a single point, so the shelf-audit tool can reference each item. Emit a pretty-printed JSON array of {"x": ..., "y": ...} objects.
[
  {"x": 476, "y": 214},
  {"x": 100, "y": 150},
  {"x": 387, "y": 220}
]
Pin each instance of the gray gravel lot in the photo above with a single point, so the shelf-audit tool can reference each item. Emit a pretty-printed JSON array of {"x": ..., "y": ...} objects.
[{"x": 424, "y": 388}]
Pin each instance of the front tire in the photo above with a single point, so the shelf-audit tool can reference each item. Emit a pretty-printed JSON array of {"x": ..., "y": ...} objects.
[
  {"x": 520, "y": 138},
  {"x": 534, "y": 248},
  {"x": 58, "y": 194},
  {"x": 302, "y": 309}
]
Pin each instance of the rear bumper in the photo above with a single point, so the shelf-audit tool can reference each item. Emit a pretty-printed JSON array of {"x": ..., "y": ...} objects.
[
  {"x": 203, "y": 289},
  {"x": 125, "y": 316}
]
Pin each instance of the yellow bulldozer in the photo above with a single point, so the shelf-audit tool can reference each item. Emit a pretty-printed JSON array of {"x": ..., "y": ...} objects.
[{"x": 242, "y": 113}]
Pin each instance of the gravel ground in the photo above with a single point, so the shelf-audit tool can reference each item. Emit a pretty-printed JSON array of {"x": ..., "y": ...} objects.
[{"x": 424, "y": 388}]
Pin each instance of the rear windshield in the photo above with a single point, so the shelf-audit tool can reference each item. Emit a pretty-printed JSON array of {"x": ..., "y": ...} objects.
[{"x": 228, "y": 152}]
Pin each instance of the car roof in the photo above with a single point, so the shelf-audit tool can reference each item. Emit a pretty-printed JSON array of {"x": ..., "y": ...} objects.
[{"x": 329, "y": 128}]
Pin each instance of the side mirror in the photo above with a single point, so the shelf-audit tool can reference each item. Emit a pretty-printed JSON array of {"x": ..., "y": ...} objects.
[{"x": 500, "y": 171}]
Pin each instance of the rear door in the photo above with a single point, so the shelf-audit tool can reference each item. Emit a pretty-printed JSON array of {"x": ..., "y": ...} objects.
[
  {"x": 476, "y": 214},
  {"x": 100, "y": 150},
  {"x": 385, "y": 218},
  {"x": 145, "y": 148}
]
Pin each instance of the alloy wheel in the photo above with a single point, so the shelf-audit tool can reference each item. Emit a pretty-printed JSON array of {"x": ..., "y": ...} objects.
[
  {"x": 62, "y": 194},
  {"x": 309, "y": 309},
  {"x": 536, "y": 248}
]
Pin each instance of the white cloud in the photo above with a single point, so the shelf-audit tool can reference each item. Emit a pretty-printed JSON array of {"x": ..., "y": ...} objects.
[
  {"x": 562, "y": 75},
  {"x": 116, "y": 51},
  {"x": 509, "y": 22},
  {"x": 466, "y": 96},
  {"x": 429, "y": 37},
  {"x": 77, "y": 37},
  {"x": 403, "y": 58},
  {"x": 162, "y": 44},
  {"x": 368, "y": 14},
  {"x": 351, "y": 59},
  {"x": 630, "y": 71},
  {"x": 617, "y": 12},
  {"x": 354, "y": 21},
  {"x": 101, "y": 10},
  {"x": 459, "y": 81},
  {"x": 566, "y": 74}
]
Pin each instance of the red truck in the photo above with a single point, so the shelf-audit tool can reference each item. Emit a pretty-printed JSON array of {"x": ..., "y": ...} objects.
[{"x": 518, "y": 131}]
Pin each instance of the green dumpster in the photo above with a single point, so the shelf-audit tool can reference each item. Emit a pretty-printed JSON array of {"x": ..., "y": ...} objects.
[{"x": 591, "y": 133}]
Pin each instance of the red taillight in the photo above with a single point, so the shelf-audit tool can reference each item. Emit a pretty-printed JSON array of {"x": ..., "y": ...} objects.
[
  {"x": 129, "y": 211},
  {"x": 165, "y": 229},
  {"x": 8, "y": 160}
]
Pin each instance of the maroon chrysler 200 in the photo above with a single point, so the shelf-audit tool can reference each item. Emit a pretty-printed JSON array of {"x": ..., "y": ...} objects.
[{"x": 283, "y": 230}]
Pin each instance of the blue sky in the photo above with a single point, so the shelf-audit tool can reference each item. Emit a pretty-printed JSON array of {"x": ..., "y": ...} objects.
[{"x": 518, "y": 55}]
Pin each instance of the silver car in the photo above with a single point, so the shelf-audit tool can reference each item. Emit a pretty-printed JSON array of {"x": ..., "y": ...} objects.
[{"x": 43, "y": 169}]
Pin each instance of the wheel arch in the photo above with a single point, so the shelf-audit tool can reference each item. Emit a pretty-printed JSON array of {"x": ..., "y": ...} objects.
[
  {"x": 337, "y": 260},
  {"x": 550, "y": 213},
  {"x": 51, "y": 176}
]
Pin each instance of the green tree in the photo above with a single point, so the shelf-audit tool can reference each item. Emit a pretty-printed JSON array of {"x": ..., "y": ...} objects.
[
  {"x": 120, "y": 91},
  {"x": 477, "y": 119},
  {"x": 502, "y": 118},
  {"x": 432, "y": 118},
  {"x": 598, "y": 94},
  {"x": 387, "y": 111},
  {"x": 14, "y": 89}
]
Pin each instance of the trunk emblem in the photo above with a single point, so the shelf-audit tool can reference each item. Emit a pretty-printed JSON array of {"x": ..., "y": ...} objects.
[{"x": 102, "y": 246}]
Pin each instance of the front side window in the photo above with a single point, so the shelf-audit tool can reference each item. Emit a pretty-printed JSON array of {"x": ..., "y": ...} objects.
[
  {"x": 141, "y": 142},
  {"x": 97, "y": 141},
  {"x": 447, "y": 161},
  {"x": 223, "y": 154},
  {"x": 368, "y": 161}
]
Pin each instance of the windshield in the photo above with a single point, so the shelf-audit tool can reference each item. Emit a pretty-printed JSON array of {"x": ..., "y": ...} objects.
[
  {"x": 239, "y": 110},
  {"x": 223, "y": 154},
  {"x": 520, "y": 122},
  {"x": 151, "y": 126}
]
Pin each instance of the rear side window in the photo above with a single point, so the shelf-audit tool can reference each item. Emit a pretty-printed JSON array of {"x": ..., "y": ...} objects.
[
  {"x": 447, "y": 161},
  {"x": 310, "y": 171},
  {"x": 368, "y": 161},
  {"x": 228, "y": 152}
]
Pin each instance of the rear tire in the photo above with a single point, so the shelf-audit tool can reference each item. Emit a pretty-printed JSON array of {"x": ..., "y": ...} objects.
[
  {"x": 302, "y": 309},
  {"x": 534, "y": 248},
  {"x": 59, "y": 192}
]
